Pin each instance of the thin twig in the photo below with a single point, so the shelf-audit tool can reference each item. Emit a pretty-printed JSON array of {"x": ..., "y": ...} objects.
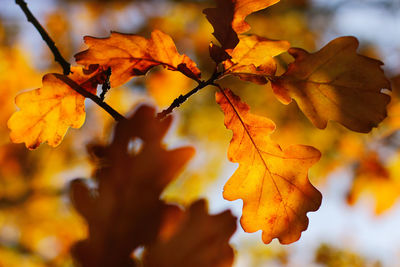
[
  {"x": 66, "y": 65},
  {"x": 117, "y": 116},
  {"x": 45, "y": 36},
  {"x": 182, "y": 98}
]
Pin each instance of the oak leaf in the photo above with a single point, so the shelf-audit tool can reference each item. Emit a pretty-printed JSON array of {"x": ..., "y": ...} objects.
[
  {"x": 336, "y": 83},
  {"x": 193, "y": 238},
  {"x": 228, "y": 19},
  {"x": 46, "y": 113},
  {"x": 272, "y": 182},
  {"x": 125, "y": 209},
  {"x": 131, "y": 55},
  {"x": 253, "y": 58}
]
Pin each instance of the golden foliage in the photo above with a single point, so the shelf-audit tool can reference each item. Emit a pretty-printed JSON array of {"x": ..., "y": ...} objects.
[
  {"x": 337, "y": 84},
  {"x": 131, "y": 55},
  {"x": 272, "y": 181},
  {"x": 228, "y": 18},
  {"x": 46, "y": 113},
  {"x": 253, "y": 58},
  {"x": 125, "y": 211}
]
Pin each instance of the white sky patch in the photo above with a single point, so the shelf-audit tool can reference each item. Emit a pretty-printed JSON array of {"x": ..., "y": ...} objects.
[{"x": 370, "y": 22}]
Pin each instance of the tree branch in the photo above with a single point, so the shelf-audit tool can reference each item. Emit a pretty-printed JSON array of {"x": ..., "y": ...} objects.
[
  {"x": 100, "y": 100},
  {"x": 45, "y": 36},
  {"x": 117, "y": 116},
  {"x": 66, "y": 65},
  {"x": 182, "y": 98}
]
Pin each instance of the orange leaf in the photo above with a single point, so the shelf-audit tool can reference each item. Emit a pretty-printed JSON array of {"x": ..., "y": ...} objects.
[
  {"x": 131, "y": 55},
  {"x": 272, "y": 182},
  {"x": 337, "y": 84},
  {"x": 194, "y": 238},
  {"x": 46, "y": 113},
  {"x": 253, "y": 58},
  {"x": 228, "y": 18}
]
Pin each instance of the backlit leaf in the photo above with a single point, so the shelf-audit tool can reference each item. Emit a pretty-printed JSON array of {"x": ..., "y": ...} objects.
[
  {"x": 337, "y": 84},
  {"x": 131, "y": 55},
  {"x": 46, "y": 113},
  {"x": 228, "y": 18},
  {"x": 272, "y": 182},
  {"x": 253, "y": 58}
]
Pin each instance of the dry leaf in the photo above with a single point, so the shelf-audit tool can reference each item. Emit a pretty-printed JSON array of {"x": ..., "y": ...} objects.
[
  {"x": 46, "y": 113},
  {"x": 337, "y": 84},
  {"x": 228, "y": 16},
  {"x": 125, "y": 211},
  {"x": 253, "y": 58},
  {"x": 272, "y": 182},
  {"x": 131, "y": 55},
  {"x": 194, "y": 238}
]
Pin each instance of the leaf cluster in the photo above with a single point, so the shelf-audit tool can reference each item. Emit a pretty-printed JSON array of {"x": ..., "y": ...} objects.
[{"x": 334, "y": 83}]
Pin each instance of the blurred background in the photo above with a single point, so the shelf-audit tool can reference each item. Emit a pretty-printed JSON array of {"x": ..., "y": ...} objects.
[{"x": 358, "y": 174}]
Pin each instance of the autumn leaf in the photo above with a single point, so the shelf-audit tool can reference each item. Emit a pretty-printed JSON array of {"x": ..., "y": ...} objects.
[
  {"x": 272, "y": 182},
  {"x": 228, "y": 18},
  {"x": 193, "y": 238},
  {"x": 336, "y": 83},
  {"x": 125, "y": 210},
  {"x": 253, "y": 58},
  {"x": 46, "y": 113},
  {"x": 131, "y": 55}
]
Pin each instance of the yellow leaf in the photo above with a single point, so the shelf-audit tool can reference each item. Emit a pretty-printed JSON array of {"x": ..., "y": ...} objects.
[
  {"x": 46, "y": 113},
  {"x": 272, "y": 182},
  {"x": 253, "y": 58},
  {"x": 337, "y": 84}
]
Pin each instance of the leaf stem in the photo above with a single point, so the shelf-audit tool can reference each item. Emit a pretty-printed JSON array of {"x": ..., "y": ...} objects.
[
  {"x": 45, "y": 36},
  {"x": 182, "y": 98}
]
